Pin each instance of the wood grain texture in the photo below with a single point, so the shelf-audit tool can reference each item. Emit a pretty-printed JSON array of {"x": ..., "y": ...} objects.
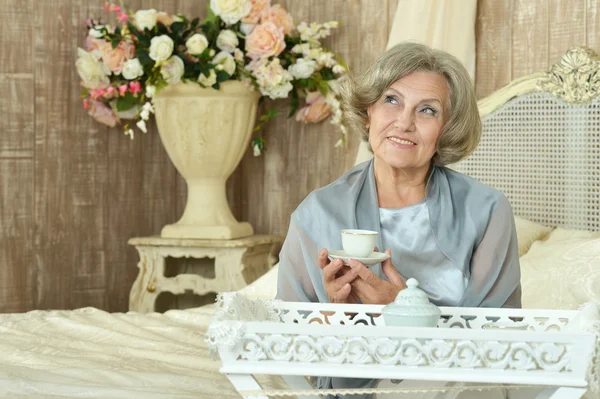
[
  {"x": 70, "y": 168},
  {"x": 566, "y": 27},
  {"x": 530, "y": 30},
  {"x": 17, "y": 270},
  {"x": 592, "y": 24},
  {"x": 493, "y": 44},
  {"x": 73, "y": 191}
]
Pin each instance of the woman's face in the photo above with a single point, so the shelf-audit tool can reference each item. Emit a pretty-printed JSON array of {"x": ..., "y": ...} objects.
[{"x": 405, "y": 123}]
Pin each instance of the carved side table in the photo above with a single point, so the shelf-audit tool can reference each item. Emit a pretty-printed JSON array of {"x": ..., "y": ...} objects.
[{"x": 181, "y": 266}]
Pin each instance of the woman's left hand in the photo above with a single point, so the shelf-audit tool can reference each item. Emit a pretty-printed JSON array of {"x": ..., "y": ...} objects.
[{"x": 371, "y": 289}]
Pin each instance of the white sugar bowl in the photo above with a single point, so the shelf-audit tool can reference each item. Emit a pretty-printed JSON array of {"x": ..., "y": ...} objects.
[{"x": 411, "y": 308}]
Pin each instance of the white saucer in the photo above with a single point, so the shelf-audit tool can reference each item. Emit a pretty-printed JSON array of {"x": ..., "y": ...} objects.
[{"x": 373, "y": 259}]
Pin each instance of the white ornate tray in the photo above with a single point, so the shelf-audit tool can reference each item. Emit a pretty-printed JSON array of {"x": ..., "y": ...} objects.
[{"x": 559, "y": 349}]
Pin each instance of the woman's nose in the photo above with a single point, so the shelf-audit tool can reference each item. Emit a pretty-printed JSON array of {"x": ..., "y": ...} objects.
[{"x": 405, "y": 120}]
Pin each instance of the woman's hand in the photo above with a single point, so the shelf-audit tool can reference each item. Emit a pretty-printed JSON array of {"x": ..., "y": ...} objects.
[
  {"x": 370, "y": 289},
  {"x": 337, "y": 279}
]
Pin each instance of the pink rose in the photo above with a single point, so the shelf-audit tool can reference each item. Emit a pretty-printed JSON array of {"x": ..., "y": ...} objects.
[
  {"x": 92, "y": 43},
  {"x": 102, "y": 113},
  {"x": 280, "y": 17},
  {"x": 164, "y": 18},
  {"x": 114, "y": 58},
  {"x": 258, "y": 7},
  {"x": 316, "y": 110},
  {"x": 264, "y": 41}
]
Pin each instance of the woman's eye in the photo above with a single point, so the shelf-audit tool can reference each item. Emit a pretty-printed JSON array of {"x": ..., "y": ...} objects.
[
  {"x": 390, "y": 99},
  {"x": 429, "y": 111}
]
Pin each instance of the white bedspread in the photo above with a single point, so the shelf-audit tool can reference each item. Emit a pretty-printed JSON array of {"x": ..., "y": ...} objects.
[{"x": 88, "y": 353}]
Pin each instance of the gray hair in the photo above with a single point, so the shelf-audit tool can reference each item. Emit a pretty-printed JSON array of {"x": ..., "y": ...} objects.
[{"x": 462, "y": 131}]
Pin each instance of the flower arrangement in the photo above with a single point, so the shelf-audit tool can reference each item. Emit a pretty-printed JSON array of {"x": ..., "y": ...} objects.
[{"x": 122, "y": 67}]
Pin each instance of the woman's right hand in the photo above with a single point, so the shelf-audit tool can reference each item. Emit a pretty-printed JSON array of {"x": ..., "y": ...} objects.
[{"x": 337, "y": 279}]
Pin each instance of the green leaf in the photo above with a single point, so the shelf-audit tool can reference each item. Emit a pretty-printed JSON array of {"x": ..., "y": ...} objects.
[
  {"x": 126, "y": 102},
  {"x": 134, "y": 30},
  {"x": 211, "y": 30},
  {"x": 115, "y": 42},
  {"x": 162, "y": 29},
  {"x": 144, "y": 58},
  {"x": 272, "y": 113},
  {"x": 323, "y": 87},
  {"x": 327, "y": 73},
  {"x": 222, "y": 76},
  {"x": 195, "y": 23},
  {"x": 211, "y": 14},
  {"x": 177, "y": 27},
  {"x": 294, "y": 102}
]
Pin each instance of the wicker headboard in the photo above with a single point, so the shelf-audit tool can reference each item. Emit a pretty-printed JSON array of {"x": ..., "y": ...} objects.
[{"x": 541, "y": 143}]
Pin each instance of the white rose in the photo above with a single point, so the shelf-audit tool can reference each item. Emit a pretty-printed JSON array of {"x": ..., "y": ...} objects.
[
  {"x": 227, "y": 41},
  {"x": 142, "y": 125},
  {"x": 226, "y": 61},
  {"x": 209, "y": 80},
  {"x": 93, "y": 72},
  {"x": 302, "y": 69},
  {"x": 161, "y": 48},
  {"x": 231, "y": 11},
  {"x": 196, "y": 44},
  {"x": 256, "y": 150},
  {"x": 150, "y": 91},
  {"x": 335, "y": 85},
  {"x": 246, "y": 29},
  {"x": 132, "y": 69},
  {"x": 146, "y": 19},
  {"x": 238, "y": 55},
  {"x": 278, "y": 91},
  {"x": 338, "y": 69},
  {"x": 172, "y": 70},
  {"x": 96, "y": 32}
]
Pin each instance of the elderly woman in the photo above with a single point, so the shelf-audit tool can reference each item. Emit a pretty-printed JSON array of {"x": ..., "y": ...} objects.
[{"x": 417, "y": 110}]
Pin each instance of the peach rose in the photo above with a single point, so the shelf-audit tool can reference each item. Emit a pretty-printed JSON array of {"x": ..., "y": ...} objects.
[
  {"x": 258, "y": 7},
  {"x": 165, "y": 19},
  {"x": 102, "y": 113},
  {"x": 280, "y": 17},
  {"x": 264, "y": 41},
  {"x": 316, "y": 109},
  {"x": 114, "y": 58},
  {"x": 92, "y": 43}
]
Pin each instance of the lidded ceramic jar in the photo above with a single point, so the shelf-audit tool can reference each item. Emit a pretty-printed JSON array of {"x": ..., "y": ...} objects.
[{"x": 411, "y": 308}]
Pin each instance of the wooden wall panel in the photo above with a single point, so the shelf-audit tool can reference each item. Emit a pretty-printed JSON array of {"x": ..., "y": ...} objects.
[
  {"x": 493, "y": 42},
  {"x": 17, "y": 268},
  {"x": 70, "y": 168},
  {"x": 566, "y": 27},
  {"x": 530, "y": 27},
  {"x": 591, "y": 24},
  {"x": 73, "y": 191},
  {"x": 518, "y": 37}
]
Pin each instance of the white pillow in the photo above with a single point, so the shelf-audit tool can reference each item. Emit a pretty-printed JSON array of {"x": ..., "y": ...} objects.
[
  {"x": 528, "y": 232},
  {"x": 563, "y": 271},
  {"x": 265, "y": 287}
]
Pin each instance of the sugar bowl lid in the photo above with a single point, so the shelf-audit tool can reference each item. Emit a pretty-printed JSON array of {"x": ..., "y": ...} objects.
[{"x": 412, "y": 301}]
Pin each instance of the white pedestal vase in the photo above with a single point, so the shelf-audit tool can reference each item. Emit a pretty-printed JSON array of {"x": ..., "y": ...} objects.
[{"x": 205, "y": 133}]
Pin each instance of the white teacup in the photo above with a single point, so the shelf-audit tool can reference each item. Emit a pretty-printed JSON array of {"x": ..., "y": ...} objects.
[{"x": 358, "y": 243}]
